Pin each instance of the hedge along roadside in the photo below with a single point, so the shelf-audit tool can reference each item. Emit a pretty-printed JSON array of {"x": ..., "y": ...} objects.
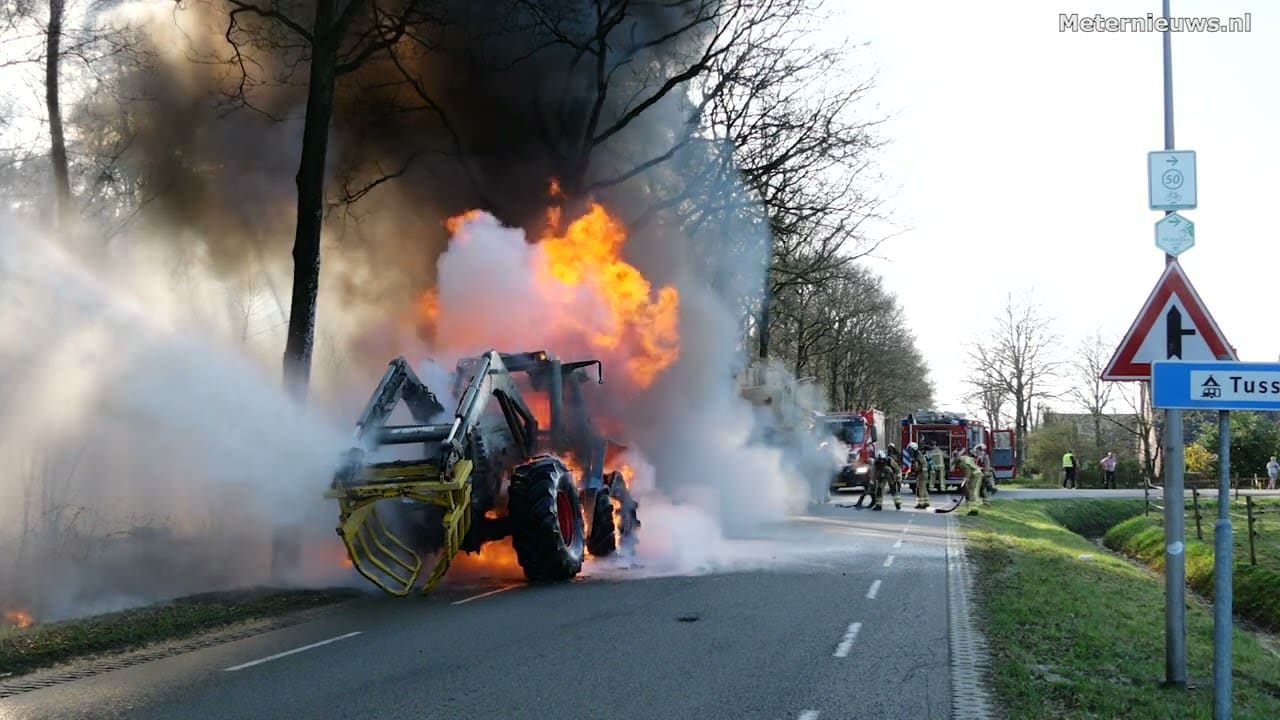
[{"x": 1255, "y": 589}]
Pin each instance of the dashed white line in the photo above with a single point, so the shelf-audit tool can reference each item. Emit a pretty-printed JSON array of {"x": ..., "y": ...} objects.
[
  {"x": 484, "y": 594},
  {"x": 809, "y": 715},
  {"x": 846, "y": 644},
  {"x": 897, "y": 544},
  {"x": 875, "y": 588},
  {"x": 904, "y": 530},
  {"x": 287, "y": 653},
  {"x": 888, "y": 561}
]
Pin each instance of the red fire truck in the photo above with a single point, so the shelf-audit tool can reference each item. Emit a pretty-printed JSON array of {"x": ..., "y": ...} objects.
[
  {"x": 954, "y": 433},
  {"x": 861, "y": 430}
]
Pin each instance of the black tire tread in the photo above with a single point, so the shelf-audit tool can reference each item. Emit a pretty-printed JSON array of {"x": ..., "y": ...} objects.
[
  {"x": 603, "y": 540},
  {"x": 535, "y": 531}
]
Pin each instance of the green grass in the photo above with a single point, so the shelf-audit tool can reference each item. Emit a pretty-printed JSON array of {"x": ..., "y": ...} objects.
[
  {"x": 1027, "y": 482},
  {"x": 1255, "y": 589},
  {"x": 1084, "y": 638},
  {"x": 32, "y": 648}
]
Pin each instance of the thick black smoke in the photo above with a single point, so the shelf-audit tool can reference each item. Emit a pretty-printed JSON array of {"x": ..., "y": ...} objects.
[{"x": 478, "y": 105}]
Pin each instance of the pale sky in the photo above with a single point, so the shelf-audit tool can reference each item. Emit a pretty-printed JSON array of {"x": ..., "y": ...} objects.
[{"x": 1019, "y": 159}]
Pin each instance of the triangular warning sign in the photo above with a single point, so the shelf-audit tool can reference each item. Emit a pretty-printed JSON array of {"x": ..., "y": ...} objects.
[{"x": 1173, "y": 324}]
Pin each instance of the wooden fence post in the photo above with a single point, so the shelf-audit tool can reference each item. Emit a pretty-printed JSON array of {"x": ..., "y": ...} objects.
[
  {"x": 1146, "y": 498},
  {"x": 1248, "y": 509},
  {"x": 1195, "y": 504}
]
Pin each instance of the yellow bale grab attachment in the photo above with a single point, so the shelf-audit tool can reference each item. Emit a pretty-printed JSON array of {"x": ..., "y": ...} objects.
[{"x": 375, "y": 551}]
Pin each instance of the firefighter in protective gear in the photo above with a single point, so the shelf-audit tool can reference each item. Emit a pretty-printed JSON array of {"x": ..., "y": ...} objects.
[
  {"x": 988, "y": 471},
  {"x": 888, "y": 476},
  {"x": 972, "y": 480},
  {"x": 938, "y": 468},
  {"x": 923, "y": 465}
]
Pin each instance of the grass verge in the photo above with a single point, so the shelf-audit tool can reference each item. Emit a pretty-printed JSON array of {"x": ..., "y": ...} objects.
[
  {"x": 1027, "y": 482},
  {"x": 39, "y": 646},
  {"x": 1255, "y": 588},
  {"x": 1084, "y": 638}
]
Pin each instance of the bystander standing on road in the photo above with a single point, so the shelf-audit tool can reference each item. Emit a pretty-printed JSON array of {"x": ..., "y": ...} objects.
[
  {"x": 1109, "y": 469},
  {"x": 1069, "y": 468},
  {"x": 1273, "y": 469}
]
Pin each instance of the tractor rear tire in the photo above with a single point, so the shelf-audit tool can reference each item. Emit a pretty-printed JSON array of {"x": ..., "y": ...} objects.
[
  {"x": 603, "y": 540},
  {"x": 546, "y": 520}
]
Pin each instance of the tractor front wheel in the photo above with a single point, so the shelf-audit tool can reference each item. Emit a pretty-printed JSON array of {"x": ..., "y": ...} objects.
[
  {"x": 546, "y": 520},
  {"x": 603, "y": 541}
]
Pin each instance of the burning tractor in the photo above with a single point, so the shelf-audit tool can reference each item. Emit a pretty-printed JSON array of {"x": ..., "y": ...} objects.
[{"x": 394, "y": 514}]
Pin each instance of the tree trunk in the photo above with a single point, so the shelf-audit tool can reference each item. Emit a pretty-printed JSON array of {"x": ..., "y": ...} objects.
[
  {"x": 310, "y": 182},
  {"x": 1097, "y": 434},
  {"x": 764, "y": 322},
  {"x": 57, "y": 140},
  {"x": 1020, "y": 423}
]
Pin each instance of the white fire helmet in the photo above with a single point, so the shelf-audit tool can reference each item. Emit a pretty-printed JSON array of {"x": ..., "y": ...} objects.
[{"x": 913, "y": 445}]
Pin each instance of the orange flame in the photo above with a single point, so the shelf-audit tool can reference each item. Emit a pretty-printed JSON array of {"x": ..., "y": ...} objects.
[
  {"x": 631, "y": 322},
  {"x": 19, "y": 618},
  {"x": 589, "y": 254},
  {"x": 496, "y": 560}
]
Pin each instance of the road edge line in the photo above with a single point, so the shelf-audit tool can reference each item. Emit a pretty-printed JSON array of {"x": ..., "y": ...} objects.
[
  {"x": 969, "y": 657},
  {"x": 287, "y": 653}
]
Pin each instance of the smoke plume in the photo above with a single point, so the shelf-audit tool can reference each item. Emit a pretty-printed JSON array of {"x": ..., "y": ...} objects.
[{"x": 148, "y": 458}]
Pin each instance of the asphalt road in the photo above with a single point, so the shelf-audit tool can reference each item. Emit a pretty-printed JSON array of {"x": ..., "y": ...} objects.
[{"x": 842, "y": 615}]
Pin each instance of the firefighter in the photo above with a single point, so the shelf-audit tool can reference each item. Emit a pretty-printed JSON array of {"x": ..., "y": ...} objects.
[
  {"x": 923, "y": 464},
  {"x": 888, "y": 475},
  {"x": 983, "y": 459},
  {"x": 972, "y": 480},
  {"x": 939, "y": 468}
]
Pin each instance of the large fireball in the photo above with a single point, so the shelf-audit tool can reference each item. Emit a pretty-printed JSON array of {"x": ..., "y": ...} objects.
[{"x": 569, "y": 293}]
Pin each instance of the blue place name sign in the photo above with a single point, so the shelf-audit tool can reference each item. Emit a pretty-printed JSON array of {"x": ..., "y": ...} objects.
[{"x": 1215, "y": 385}]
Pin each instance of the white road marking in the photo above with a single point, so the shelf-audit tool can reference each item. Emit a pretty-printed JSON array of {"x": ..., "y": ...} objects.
[
  {"x": 875, "y": 588},
  {"x": 897, "y": 544},
  {"x": 287, "y": 653},
  {"x": 809, "y": 715},
  {"x": 904, "y": 530},
  {"x": 888, "y": 561},
  {"x": 846, "y": 644},
  {"x": 484, "y": 594}
]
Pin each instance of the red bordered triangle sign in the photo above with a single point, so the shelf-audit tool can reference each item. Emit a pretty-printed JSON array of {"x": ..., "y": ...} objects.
[{"x": 1173, "y": 324}]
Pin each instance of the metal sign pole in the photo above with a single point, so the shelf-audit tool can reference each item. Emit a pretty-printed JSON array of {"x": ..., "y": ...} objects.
[
  {"x": 1223, "y": 547},
  {"x": 1175, "y": 621}
]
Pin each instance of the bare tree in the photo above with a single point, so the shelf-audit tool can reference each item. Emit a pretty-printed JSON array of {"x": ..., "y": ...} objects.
[
  {"x": 992, "y": 399},
  {"x": 88, "y": 44},
  {"x": 1018, "y": 359},
  {"x": 1141, "y": 424},
  {"x": 850, "y": 333},
  {"x": 339, "y": 38},
  {"x": 1089, "y": 389},
  {"x": 782, "y": 117}
]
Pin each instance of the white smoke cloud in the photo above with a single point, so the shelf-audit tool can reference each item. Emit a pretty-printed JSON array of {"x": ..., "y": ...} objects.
[{"x": 146, "y": 456}]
